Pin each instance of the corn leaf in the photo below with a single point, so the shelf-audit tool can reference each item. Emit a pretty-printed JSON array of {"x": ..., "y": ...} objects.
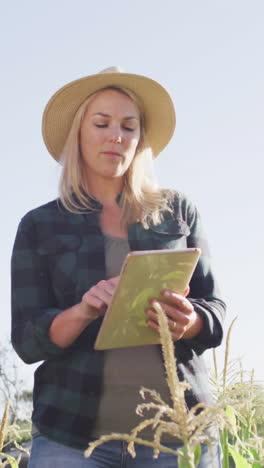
[
  {"x": 255, "y": 456},
  {"x": 240, "y": 461},
  {"x": 197, "y": 454},
  {"x": 232, "y": 418},
  {"x": 12, "y": 461}
]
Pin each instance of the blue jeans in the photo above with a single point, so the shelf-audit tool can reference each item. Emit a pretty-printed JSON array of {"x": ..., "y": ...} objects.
[{"x": 46, "y": 453}]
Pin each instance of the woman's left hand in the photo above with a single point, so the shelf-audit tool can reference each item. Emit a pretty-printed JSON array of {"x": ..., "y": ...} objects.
[{"x": 183, "y": 320}]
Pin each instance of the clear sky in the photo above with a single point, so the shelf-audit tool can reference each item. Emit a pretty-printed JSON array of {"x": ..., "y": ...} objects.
[{"x": 209, "y": 55}]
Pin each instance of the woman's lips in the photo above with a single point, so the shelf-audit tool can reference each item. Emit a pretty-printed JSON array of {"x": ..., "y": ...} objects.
[{"x": 112, "y": 154}]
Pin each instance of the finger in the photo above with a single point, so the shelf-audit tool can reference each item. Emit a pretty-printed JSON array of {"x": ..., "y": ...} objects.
[
  {"x": 94, "y": 301},
  {"x": 178, "y": 321},
  {"x": 101, "y": 292},
  {"x": 152, "y": 316},
  {"x": 178, "y": 301},
  {"x": 186, "y": 291},
  {"x": 153, "y": 325},
  {"x": 175, "y": 317},
  {"x": 105, "y": 289},
  {"x": 114, "y": 281},
  {"x": 178, "y": 313},
  {"x": 107, "y": 286},
  {"x": 175, "y": 330}
]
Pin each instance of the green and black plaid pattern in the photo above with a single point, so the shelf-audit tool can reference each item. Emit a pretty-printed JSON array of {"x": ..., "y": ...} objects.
[{"x": 58, "y": 256}]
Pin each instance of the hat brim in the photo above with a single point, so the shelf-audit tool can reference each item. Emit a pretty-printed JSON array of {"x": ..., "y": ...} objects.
[{"x": 160, "y": 117}]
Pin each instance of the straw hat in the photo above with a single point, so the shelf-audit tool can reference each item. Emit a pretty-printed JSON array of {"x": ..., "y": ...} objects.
[{"x": 160, "y": 118}]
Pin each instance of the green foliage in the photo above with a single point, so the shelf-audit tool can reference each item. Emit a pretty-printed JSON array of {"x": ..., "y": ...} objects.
[
  {"x": 197, "y": 454},
  {"x": 12, "y": 385},
  {"x": 23, "y": 432},
  {"x": 242, "y": 442},
  {"x": 13, "y": 436},
  {"x": 11, "y": 461}
]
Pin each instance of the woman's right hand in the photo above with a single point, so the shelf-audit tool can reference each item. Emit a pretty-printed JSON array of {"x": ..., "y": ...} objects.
[
  {"x": 96, "y": 300},
  {"x": 69, "y": 324}
]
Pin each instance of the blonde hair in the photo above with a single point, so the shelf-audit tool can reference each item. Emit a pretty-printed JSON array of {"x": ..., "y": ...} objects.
[{"x": 141, "y": 200}]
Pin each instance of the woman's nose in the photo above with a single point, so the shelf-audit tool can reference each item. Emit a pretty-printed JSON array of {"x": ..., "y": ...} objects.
[
  {"x": 116, "y": 136},
  {"x": 116, "y": 139}
]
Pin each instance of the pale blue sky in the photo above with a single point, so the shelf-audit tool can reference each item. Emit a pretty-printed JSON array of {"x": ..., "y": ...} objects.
[{"x": 209, "y": 55}]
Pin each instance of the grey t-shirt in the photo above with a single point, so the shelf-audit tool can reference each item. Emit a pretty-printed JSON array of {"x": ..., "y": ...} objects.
[{"x": 126, "y": 370}]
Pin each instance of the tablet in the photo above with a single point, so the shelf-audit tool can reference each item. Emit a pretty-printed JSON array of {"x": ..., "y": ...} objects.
[{"x": 144, "y": 274}]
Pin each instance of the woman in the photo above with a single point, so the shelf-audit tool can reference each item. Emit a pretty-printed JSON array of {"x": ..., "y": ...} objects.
[{"x": 105, "y": 129}]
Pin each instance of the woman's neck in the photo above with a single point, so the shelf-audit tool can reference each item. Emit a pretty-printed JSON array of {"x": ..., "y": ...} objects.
[{"x": 105, "y": 191}]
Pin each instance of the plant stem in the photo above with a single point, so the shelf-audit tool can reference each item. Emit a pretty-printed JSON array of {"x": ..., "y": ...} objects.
[
  {"x": 187, "y": 458},
  {"x": 224, "y": 444}
]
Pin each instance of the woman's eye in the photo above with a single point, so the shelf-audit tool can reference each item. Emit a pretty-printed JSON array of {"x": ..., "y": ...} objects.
[{"x": 105, "y": 125}]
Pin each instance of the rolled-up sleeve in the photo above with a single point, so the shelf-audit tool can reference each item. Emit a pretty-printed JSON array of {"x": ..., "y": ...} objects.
[
  {"x": 204, "y": 291},
  {"x": 32, "y": 298}
]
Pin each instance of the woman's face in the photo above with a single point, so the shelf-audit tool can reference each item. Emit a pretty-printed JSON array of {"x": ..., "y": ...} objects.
[{"x": 109, "y": 134}]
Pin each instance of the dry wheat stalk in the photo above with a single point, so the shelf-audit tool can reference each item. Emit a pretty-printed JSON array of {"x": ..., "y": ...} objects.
[
  {"x": 4, "y": 425},
  {"x": 14, "y": 433},
  {"x": 227, "y": 353},
  {"x": 185, "y": 425}
]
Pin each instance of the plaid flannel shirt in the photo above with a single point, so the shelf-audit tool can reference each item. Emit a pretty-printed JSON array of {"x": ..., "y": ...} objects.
[{"x": 57, "y": 257}]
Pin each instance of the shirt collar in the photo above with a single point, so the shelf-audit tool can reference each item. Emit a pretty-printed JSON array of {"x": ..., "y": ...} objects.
[{"x": 95, "y": 204}]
